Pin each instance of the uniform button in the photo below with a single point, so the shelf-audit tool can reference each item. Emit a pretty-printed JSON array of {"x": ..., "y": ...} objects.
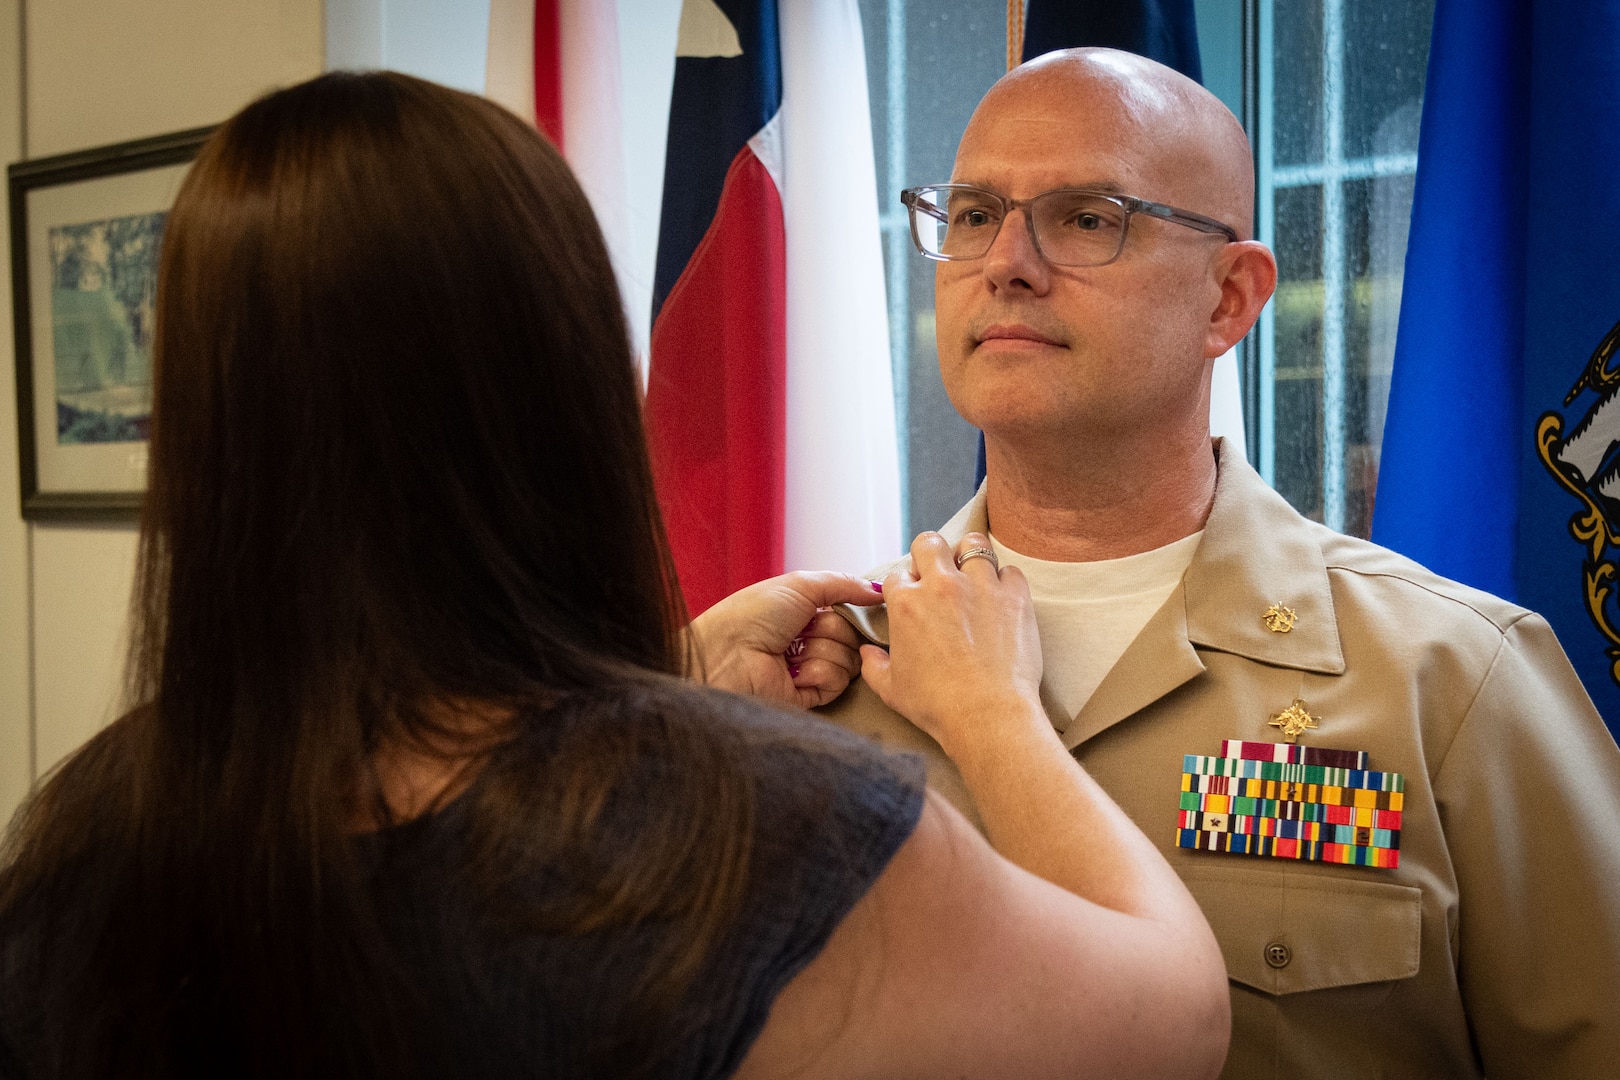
[{"x": 1278, "y": 954}]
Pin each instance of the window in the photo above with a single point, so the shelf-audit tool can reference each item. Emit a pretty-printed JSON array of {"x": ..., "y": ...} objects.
[
  {"x": 1331, "y": 91},
  {"x": 928, "y": 63},
  {"x": 1339, "y": 91}
]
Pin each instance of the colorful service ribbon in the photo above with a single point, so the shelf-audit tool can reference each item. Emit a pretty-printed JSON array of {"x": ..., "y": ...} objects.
[{"x": 1291, "y": 802}]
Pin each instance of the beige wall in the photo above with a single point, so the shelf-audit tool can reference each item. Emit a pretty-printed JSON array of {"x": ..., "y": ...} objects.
[{"x": 76, "y": 74}]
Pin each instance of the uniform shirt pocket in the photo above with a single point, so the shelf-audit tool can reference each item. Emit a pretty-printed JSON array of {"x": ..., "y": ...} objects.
[{"x": 1284, "y": 932}]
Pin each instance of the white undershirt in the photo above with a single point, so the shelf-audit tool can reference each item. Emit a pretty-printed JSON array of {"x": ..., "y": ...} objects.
[{"x": 1089, "y": 612}]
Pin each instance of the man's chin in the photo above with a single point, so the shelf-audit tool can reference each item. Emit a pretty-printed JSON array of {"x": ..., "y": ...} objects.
[
  {"x": 1022, "y": 424},
  {"x": 1039, "y": 423}
]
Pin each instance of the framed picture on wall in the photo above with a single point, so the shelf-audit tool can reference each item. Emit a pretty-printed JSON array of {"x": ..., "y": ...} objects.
[{"x": 86, "y": 229}]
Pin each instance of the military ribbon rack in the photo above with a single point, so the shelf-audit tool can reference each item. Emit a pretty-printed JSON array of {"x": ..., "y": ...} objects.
[{"x": 1291, "y": 802}]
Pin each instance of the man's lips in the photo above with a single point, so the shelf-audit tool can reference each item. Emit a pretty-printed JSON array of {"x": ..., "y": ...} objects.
[{"x": 1014, "y": 334}]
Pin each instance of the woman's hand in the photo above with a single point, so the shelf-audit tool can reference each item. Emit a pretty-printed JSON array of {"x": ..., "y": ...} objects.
[
  {"x": 776, "y": 640},
  {"x": 964, "y": 655}
]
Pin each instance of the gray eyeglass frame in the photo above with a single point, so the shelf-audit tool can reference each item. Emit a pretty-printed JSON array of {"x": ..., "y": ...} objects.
[{"x": 912, "y": 199}]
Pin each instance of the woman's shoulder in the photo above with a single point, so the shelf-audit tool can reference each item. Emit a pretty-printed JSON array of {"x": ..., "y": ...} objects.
[
  {"x": 96, "y": 785},
  {"x": 830, "y": 807},
  {"x": 827, "y": 810},
  {"x": 795, "y": 755},
  {"x": 664, "y": 757}
]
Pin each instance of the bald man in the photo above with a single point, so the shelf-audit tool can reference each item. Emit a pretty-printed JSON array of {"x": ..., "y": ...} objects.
[{"x": 1409, "y": 849}]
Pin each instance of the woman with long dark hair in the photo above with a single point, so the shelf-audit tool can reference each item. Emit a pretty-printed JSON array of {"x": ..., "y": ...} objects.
[{"x": 414, "y": 784}]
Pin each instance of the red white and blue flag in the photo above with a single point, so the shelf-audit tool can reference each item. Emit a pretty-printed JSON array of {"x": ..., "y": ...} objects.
[
  {"x": 717, "y": 385},
  {"x": 770, "y": 406},
  {"x": 770, "y": 402}
]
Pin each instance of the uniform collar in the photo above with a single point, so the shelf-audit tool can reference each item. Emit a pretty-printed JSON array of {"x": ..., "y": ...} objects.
[
  {"x": 1256, "y": 552},
  {"x": 873, "y": 622}
]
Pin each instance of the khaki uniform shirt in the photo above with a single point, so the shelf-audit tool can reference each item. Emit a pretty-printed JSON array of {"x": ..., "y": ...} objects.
[{"x": 1494, "y": 947}]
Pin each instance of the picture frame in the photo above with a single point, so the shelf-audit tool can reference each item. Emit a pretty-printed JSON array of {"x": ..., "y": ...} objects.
[{"x": 86, "y": 230}]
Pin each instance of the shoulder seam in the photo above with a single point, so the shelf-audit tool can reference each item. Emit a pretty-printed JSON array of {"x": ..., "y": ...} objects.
[
  {"x": 1468, "y": 713},
  {"x": 1516, "y": 613}
]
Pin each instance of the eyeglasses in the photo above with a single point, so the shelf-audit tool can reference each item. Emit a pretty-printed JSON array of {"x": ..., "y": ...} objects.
[{"x": 1069, "y": 226}]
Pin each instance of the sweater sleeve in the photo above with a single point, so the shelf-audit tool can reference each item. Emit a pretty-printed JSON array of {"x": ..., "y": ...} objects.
[{"x": 832, "y": 809}]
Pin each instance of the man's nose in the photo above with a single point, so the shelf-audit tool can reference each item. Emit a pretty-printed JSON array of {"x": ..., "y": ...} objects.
[{"x": 1013, "y": 261}]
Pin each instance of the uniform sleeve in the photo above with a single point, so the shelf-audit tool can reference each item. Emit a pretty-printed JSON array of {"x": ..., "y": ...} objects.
[
  {"x": 1529, "y": 793},
  {"x": 832, "y": 809}
]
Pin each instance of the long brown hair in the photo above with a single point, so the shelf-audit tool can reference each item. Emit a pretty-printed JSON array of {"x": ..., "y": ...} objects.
[{"x": 397, "y": 464}]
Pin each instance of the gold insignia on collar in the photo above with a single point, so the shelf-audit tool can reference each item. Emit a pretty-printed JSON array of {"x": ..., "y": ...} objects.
[
  {"x": 1278, "y": 619},
  {"x": 1294, "y": 721}
]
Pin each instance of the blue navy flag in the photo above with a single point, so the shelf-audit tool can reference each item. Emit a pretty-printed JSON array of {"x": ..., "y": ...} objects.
[
  {"x": 1499, "y": 463},
  {"x": 1162, "y": 30}
]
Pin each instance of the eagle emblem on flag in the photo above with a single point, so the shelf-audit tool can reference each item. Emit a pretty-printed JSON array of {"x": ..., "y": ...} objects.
[{"x": 1584, "y": 463}]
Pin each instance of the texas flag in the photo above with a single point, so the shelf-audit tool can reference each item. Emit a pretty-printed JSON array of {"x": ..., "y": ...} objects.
[
  {"x": 717, "y": 387},
  {"x": 770, "y": 406},
  {"x": 769, "y": 399}
]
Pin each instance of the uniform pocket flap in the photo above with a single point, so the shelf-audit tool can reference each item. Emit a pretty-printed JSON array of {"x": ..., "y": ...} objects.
[{"x": 1282, "y": 933}]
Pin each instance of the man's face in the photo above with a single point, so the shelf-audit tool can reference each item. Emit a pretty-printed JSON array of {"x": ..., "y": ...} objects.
[{"x": 1030, "y": 348}]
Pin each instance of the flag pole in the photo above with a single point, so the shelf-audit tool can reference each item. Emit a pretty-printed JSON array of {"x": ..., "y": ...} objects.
[{"x": 1015, "y": 33}]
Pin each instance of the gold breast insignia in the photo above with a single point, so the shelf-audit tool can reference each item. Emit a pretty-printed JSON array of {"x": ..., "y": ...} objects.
[
  {"x": 1294, "y": 721},
  {"x": 1278, "y": 619}
]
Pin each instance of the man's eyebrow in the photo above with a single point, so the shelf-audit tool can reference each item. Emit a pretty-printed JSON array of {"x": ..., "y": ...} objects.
[{"x": 1104, "y": 187}]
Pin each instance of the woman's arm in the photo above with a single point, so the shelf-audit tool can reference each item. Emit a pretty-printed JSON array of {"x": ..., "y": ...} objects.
[{"x": 1070, "y": 949}]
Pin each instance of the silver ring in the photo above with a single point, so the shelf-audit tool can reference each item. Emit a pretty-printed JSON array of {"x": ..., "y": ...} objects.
[{"x": 978, "y": 553}]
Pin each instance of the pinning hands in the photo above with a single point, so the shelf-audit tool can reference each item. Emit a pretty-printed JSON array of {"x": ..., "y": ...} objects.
[
  {"x": 776, "y": 640},
  {"x": 964, "y": 658}
]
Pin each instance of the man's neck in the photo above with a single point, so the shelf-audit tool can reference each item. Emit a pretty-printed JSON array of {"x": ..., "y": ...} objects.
[{"x": 1082, "y": 503}]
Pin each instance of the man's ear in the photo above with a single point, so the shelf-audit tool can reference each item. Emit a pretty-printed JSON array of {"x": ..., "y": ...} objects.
[{"x": 1247, "y": 275}]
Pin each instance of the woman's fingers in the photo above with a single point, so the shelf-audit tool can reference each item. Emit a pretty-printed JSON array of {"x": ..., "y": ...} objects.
[
  {"x": 827, "y": 625},
  {"x": 975, "y": 555},
  {"x": 963, "y": 642},
  {"x": 823, "y": 588},
  {"x": 822, "y": 671},
  {"x": 827, "y": 651},
  {"x": 875, "y": 670},
  {"x": 763, "y": 640},
  {"x": 931, "y": 554}
]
